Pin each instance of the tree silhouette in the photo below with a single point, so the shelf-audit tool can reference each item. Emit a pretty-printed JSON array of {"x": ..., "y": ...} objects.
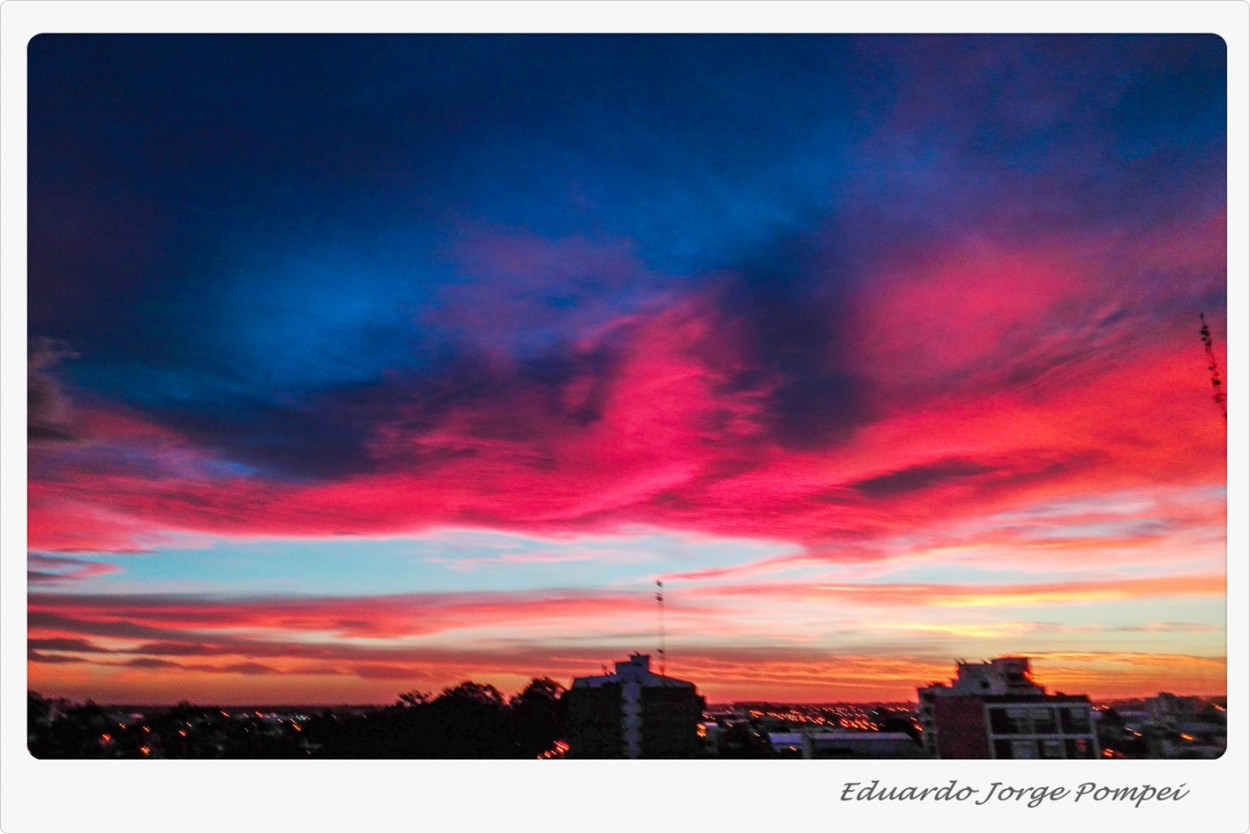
[
  {"x": 467, "y": 721},
  {"x": 413, "y": 699},
  {"x": 537, "y": 716},
  {"x": 471, "y": 692}
]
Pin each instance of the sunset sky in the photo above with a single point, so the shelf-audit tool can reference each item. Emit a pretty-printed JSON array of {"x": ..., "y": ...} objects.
[{"x": 360, "y": 365}]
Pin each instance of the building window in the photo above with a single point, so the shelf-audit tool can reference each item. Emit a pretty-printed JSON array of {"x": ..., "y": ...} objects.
[
  {"x": 1023, "y": 750},
  {"x": 1044, "y": 720},
  {"x": 1080, "y": 748},
  {"x": 1076, "y": 720},
  {"x": 1052, "y": 748},
  {"x": 1009, "y": 720}
]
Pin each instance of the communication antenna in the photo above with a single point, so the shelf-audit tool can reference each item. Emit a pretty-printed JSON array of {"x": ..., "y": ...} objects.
[
  {"x": 659, "y": 599},
  {"x": 1221, "y": 399}
]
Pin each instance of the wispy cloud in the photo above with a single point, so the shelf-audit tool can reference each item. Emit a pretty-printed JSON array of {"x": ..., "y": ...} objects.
[{"x": 851, "y": 341}]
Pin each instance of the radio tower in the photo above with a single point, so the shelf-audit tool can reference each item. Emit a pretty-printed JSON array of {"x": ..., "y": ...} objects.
[
  {"x": 1221, "y": 399},
  {"x": 659, "y": 599}
]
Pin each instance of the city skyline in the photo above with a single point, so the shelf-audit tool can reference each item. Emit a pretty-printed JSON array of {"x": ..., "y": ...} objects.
[{"x": 362, "y": 364}]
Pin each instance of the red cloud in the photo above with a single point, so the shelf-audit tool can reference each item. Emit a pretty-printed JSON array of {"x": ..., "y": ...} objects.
[
  {"x": 347, "y": 617},
  {"x": 664, "y": 439}
]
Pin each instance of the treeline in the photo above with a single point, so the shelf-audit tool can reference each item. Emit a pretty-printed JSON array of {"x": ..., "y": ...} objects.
[{"x": 467, "y": 721}]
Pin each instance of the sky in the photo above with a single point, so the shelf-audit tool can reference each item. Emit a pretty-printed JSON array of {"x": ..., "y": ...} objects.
[{"x": 366, "y": 364}]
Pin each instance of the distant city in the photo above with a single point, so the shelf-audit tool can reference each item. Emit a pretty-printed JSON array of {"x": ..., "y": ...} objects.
[{"x": 990, "y": 709}]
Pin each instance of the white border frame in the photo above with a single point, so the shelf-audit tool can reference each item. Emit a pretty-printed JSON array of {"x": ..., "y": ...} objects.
[{"x": 602, "y": 796}]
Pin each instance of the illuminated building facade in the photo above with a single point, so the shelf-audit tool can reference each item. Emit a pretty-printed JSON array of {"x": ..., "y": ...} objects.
[
  {"x": 995, "y": 710},
  {"x": 633, "y": 713}
]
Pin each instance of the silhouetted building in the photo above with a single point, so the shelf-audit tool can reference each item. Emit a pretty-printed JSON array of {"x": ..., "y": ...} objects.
[
  {"x": 633, "y": 713},
  {"x": 1168, "y": 709},
  {"x": 821, "y": 743},
  {"x": 995, "y": 710}
]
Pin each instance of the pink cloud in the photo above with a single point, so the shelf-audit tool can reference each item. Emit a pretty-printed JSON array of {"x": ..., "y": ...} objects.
[
  {"x": 345, "y": 617},
  {"x": 664, "y": 439},
  {"x": 984, "y": 595},
  {"x": 43, "y": 568}
]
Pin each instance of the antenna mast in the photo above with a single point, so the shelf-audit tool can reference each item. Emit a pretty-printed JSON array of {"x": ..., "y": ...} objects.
[
  {"x": 659, "y": 599},
  {"x": 1221, "y": 399}
]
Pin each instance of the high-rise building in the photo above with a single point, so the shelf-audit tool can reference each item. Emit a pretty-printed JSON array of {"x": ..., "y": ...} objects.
[
  {"x": 1170, "y": 710},
  {"x": 995, "y": 710},
  {"x": 633, "y": 713}
]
